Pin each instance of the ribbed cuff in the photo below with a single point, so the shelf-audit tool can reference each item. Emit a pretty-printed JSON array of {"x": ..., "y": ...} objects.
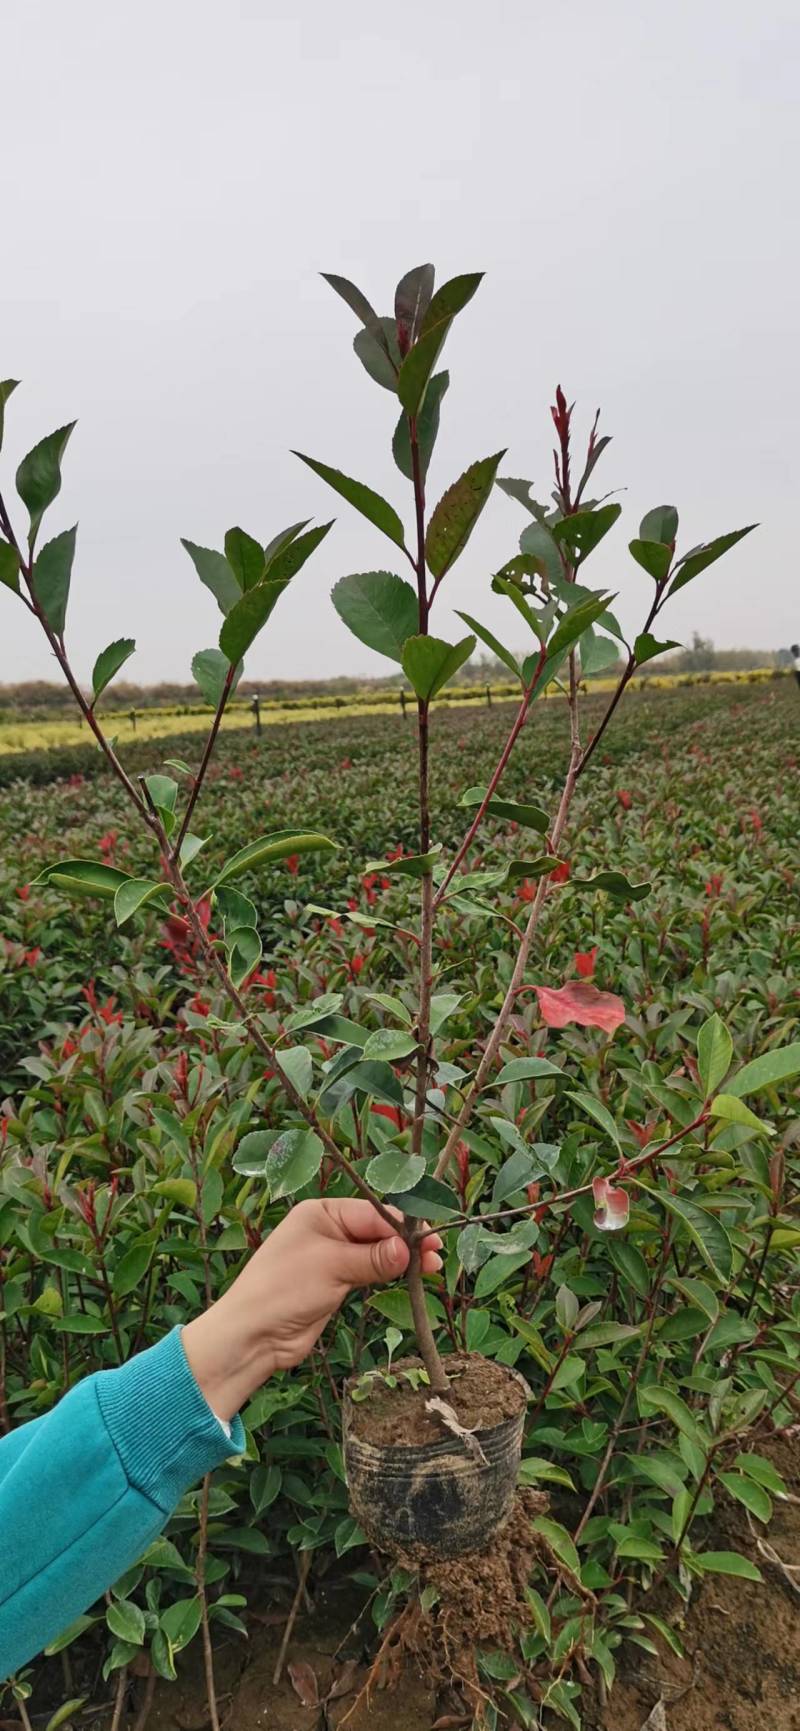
[{"x": 160, "y": 1423}]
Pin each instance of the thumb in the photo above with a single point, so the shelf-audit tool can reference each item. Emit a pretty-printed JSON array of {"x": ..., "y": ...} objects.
[{"x": 373, "y": 1264}]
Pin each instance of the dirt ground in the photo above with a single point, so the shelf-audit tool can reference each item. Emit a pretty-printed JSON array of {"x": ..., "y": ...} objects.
[{"x": 741, "y": 1673}]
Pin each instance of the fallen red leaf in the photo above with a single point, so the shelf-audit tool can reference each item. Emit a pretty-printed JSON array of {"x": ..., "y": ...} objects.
[{"x": 580, "y": 1002}]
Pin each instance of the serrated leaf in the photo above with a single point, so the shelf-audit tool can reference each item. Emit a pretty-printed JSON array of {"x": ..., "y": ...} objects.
[
  {"x": 526, "y": 1070},
  {"x": 428, "y": 663},
  {"x": 411, "y": 301},
  {"x": 421, "y": 359},
  {"x": 293, "y": 1160},
  {"x": 369, "y": 503},
  {"x": 429, "y": 1200},
  {"x": 412, "y": 865},
  {"x": 395, "y": 1171},
  {"x": 584, "y": 530},
  {"x": 131, "y": 1269},
  {"x": 595, "y": 1109},
  {"x": 245, "y": 557},
  {"x": 109, "y": 662},
  {"x": 210, "y": 669},
  {"x": 704, "y": 1229},
  {"x": 693, "y": 563},
  {"x": 296, "y": 1063},
  {"x": 390, "y": 1044},
  {"x": 51, "y": 578},
  {"x": 456, "y": 514},
  {"x": 280, "y": 844},
  {"x": 381, "y": 610},
  {"x": 182, "y": 1191},
  {"x": 527, "y": 816},
  {"x": 654, "y": 1398},
  {"x": 215, "y": 573},
  {"x": 39, "y": 476},
  {"x": 250, "y": 1158},
  {"x": 379, "y": 354},
  {"x": 596, "y": 653}
]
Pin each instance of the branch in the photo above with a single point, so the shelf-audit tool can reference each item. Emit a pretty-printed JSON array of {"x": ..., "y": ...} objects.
[{"x": 205, "y": 760}]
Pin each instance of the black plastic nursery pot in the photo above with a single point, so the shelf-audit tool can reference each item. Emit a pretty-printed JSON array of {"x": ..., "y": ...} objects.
[{"x": 435, "y": 1498}]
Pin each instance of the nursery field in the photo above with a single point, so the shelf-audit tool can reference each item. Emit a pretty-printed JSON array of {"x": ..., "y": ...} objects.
[{"x": 663, "y": 1360}]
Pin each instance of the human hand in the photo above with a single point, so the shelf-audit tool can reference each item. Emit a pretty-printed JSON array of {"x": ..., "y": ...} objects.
[{"x": 271, "y": 1316}]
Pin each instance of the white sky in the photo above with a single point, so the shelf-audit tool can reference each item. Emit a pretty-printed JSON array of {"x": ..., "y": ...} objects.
[{"x": 176, "y": 173}]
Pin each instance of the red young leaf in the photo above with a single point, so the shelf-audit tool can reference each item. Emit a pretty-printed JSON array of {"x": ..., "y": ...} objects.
[
  {"x": 584, "y": 962},
  {"x": 612, "y": 1206},
  {"x": 577, "y": 1001}
]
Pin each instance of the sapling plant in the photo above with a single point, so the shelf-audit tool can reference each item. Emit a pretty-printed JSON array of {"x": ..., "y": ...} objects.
[{"x": 408, "y": 1157}]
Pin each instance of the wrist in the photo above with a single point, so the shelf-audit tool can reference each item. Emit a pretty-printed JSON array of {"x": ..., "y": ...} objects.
[{"x": 228, "y": 1357}]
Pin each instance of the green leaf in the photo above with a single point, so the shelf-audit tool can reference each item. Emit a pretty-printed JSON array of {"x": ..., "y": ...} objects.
[
  {"x": 411, "y": 300},
  {"x": 767, "y": 1071},
  {"x": 525, "y": 1070},
  {"x": 396, "y": 1307},
  {"x": 751, "y": 1495},
  {"x": 134, "y": 893},
  {"x": 7, "y": 386},
  {"x": 559, "y": 1541},
  {"x": 82, "y": 1324},
  {"x": 51, "y": 578},
  {"x": 527, "y": 816},
  {"x": 499, "y": 1269},
  {"x": 646, "y": 647},
  {"x": 293, "y": 1160},
  {"x": 370, "y": 504},
  {"x": 67, "y": 1710},
  {"x": 428, "y": 663},
  {"x": 492, "y": 642},
  {"x": 9, "y": 567},
  {"x": 451, "y": 299},
  {"x": 280, "y": 542},
  {"x": 131, "y": 1269},
  {"x": 693, "y": 563},
  {"x": 594, "y": 1108},
  {"x": 380, "y": 609},
  {"x": 660, "y": 524},
  {"x": 653, "y": 557},
  {"x": 83, "y": 877},
  {"x": 429, "y": 1200},
  {"x": 252, "y": 611},
  {"x": 109, "y": 663},
  {"x": 427, "y": 429},
  {"x": 615, "y": 884},
  {"x": 181, "y": 1191},
  {"x": 395, "y": 1171},
  {"x": 379, "y": 354},
  {"x": 421, "y": 359},
  {"x": 735, "y": 1112},
  {"x": 537, "y": 542},
  {"x": 250, "y": 1158},
  {"x": 583, "y": 531},
  {"x": 567, "y": 632},
  {"x": 296, "y": 1063},
  {"x": 161, "y": 1657},
  {"x": 215, "y": 572},
  {"x": 352, "y": 295},
  {"x": 280, "y": 844},
  {"x": 538, "y": 1608},
  {"x": 265, "y": 1484},
  {"x": 210, "y": 669},
  {"x": 456, "y": 514},
  {"x": 726, "y": 1563},
  {"x": 390, "y": 1044},
  {"x": 654, "y": 1398},
  {"x": 244, "y": 953},
  {"x": 181, "y": 1621},
  {"x": 714, "y": 1053},
  {"x": 39, "y": 476},
  {"x": 705, "y": 1231},
  {"x": 413, "y": 865},
  {"x": 67, "y": 1636},
  {"x": 245, "y": 557},
  {"x": 126, "y": 1621},
  {"x": 596, "y": 653},
  {"x": 514, "y": 1174}
]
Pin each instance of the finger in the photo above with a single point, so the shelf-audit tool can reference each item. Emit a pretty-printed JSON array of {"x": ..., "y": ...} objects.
[
  {"x": 431, "y": 1261},
  {"x": 359, "y": 1221},
  {"x": 376, "y": 1263}
]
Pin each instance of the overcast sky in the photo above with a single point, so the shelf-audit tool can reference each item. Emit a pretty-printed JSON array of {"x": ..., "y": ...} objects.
[{"x": 177, "y": 172}]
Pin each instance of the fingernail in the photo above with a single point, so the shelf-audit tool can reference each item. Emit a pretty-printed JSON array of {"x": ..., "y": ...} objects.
[{"x": 436, "y": 1263}]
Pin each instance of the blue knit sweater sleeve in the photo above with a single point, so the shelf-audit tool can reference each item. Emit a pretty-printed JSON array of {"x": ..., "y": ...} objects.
[{"x": 86, "y": 1488}]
